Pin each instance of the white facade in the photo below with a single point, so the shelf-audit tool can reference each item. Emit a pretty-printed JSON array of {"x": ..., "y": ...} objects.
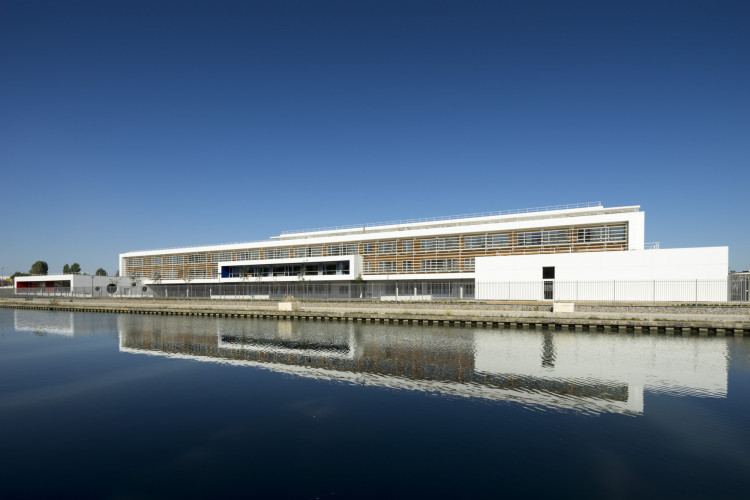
[
  {"x": 79, "y": 284},
  {"x": 594, "y": 246},
  {"x": 679, "y": 274}
]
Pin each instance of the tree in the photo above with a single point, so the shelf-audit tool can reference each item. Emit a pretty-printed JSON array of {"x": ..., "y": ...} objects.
[
  {"x": 18, "y": 273},
  {"x": 360, "y": 284},
  {"x": 134, "y": 280},
  {"x": 39, "y": 267},
  {"x": 101, "y": 272},
  {"x": 75, "y": 268},
  {"x": 66, "y": 269}
]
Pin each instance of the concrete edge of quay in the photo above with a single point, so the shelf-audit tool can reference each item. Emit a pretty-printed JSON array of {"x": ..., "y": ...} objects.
[{"x": 399, "y": 313}]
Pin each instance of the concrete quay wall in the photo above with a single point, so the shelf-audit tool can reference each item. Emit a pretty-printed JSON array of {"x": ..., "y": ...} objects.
[{"x": 674, "y": 320}]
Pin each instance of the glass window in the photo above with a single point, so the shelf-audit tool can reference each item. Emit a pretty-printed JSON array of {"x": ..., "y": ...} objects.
[
  {"x": 278, "y": 253},
  {"x": 221, "y": 256},
  {"x": 406, "y": 246},
  {"x": 366, "y": 248},
  {"x": 155, "y": 261},
  {"x": 248, "y": 255},
  {"x": 196, "y": 273},
  {"x": 439, "y": 244},
  {"x": 591, "y": 235},
  {"x": 387, "y": 266},
  {"x": 406, "y": 266},
  {"x": 197, "y": 258},
  {"x": 469, "y": 263},
  {"x": 387, "y": 247},
  {"x": 477, "y": 241},
  {"x": 498, "y": 240},
  {"x": 532, "y": 238},
  {"x": 617, "y": 233},
  {"x": 555, "y": 237},
  {"x": 437, "y": 265}
]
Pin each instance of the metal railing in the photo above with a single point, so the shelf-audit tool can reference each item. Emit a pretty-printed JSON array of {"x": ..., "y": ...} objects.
[
  {"x": 447, "y": 218},
  {"x": 708, "y": 291}
]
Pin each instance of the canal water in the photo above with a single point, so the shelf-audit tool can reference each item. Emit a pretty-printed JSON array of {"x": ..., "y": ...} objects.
[{"x": 129, "y": 406}]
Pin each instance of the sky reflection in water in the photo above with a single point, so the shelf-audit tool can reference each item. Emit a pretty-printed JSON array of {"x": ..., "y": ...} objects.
[{"x": 313, "y": 409}]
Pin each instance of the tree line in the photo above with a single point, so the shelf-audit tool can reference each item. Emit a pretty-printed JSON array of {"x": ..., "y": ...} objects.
[{"x": 40, "y": 268}]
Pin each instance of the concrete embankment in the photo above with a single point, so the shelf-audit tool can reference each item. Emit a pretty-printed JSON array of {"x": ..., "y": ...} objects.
[{"x": 705, "y": 319}]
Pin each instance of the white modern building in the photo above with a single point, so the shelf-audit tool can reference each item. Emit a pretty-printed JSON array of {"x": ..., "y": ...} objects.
[
  {"x": 573, "y": 252},
  {"x": 80, "y": 284}
]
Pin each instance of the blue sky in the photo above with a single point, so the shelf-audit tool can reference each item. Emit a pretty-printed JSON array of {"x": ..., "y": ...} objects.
[{"x": 130, "y": 125}]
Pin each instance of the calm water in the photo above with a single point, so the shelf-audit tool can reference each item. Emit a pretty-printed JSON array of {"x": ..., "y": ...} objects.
[{"x": 126, "y": 406}]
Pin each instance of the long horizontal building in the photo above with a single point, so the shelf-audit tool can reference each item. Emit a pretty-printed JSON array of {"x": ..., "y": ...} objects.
[{"x": 461, "y": 256}]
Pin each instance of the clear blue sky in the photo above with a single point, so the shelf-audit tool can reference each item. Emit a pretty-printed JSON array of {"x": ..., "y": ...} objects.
[{"x": 130, "y": 125}]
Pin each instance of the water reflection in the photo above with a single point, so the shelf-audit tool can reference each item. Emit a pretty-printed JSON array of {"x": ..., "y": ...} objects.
[
  {"x": 584, "y": 372},
  {"x": 66, "y": 324}
]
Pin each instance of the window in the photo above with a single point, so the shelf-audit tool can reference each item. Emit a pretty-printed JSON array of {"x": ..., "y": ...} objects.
[
  {"x": 406, "y": 246},
  {"x": 591, "y": 235},
  {"x": 406, "y": 266},
  {"x": 198, "y": 258},
  {"x": 555, "y": 237},
  {"x": 437, "y": 265},
  {"x": 548, "y": 273},
  {"x": 170, "y": 274},
  {"x": 249, "y": 255},
  {"x": 366, "y": 248},
  {"x": 600, "y": 234},
  {"x": 439, "y": 244},
  {"x": 388, "y": 266},
  {"x": 306, "y": 252},
  {"x": 173, "y": 260},
  {"x": 196, "y": 273},
  {"x": 340, "y": 250},
  {"x": 135, "y": 262},
  {"x": 277, "y": 253},
  {"x": 221, "y": 257},
  {"x": 533, "y": 238},
  {"x": 367, "y": 267},
  {"x": 214, "y": 273},
  {"x": 387, "y": 247},
  {"x": 478, "y": 241},
  {"x": 617, "y": 233},
  {"x": 469, "y": 264},
  {"x": 498, "y": 240},
  {"x": 155, "y": 261}
]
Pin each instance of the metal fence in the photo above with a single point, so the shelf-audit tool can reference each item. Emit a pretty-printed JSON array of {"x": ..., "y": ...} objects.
[
  {"x": 617, "y": 291},
  {"x": 550, "y": 290}
]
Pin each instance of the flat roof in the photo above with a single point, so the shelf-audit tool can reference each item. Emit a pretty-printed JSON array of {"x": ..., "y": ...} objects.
[{"x": 288, "y": 238}]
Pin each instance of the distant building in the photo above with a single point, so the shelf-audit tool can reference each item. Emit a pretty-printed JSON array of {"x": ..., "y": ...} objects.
[{"x": 80, "y": 284}]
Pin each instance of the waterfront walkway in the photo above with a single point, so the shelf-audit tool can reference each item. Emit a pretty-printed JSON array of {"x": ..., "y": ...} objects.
[{"x": 703, "y": 319}]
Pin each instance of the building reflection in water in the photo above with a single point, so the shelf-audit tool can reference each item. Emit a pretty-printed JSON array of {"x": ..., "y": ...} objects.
[
  {"x": 67, "y": 324},
  {"x": 584, "y": 372}
]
